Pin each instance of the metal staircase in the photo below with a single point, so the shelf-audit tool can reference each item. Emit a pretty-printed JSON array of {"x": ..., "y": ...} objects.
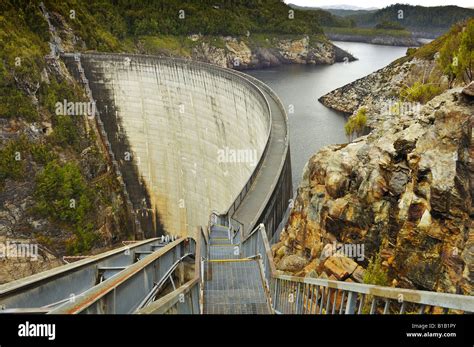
[
  {"x": 231, "y": 274},
  {"x": 232, "y": 284}
]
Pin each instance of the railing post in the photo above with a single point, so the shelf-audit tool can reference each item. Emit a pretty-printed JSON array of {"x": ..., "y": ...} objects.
[
  {"x": 276, "y": 296},
  {"x": 351, "y": 303},
  {"x": 297, "y": 301}
]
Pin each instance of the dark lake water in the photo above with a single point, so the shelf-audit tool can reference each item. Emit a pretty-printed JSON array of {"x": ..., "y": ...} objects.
[{"x": 312, "y": 125}]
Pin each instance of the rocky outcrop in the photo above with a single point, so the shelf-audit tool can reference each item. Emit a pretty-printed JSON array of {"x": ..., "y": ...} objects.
[
  {"x": 248, "y": 54},
  {"x": 403, "y": 191},
  {"x": 375, "y": 39},
  {"x": 379, "y": 92}
]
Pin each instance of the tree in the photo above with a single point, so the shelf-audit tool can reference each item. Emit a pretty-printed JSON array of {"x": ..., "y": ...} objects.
[
  {"x": 448, "y": 60},
  {"x": 466, "y": 51}
]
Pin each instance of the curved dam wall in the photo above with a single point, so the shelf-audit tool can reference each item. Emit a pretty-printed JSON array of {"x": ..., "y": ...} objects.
[{"x": 187, "y": 136}]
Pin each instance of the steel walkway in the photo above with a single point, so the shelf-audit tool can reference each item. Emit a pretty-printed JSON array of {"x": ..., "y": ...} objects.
[
  {"x": 255, "y": 200},
  {"x": 232, "y": 284},
  {"x": 231, "y": 275}
]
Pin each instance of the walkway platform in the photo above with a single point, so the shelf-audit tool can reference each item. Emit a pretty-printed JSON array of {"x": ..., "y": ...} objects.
[
  {"x": 232, "y": 285},
  {"x": 255, "y": 199}
]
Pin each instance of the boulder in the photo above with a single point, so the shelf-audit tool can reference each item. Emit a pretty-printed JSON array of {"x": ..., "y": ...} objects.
[
  {"x": 292, "y": 263},
  {"x": 339, "y": 266}
]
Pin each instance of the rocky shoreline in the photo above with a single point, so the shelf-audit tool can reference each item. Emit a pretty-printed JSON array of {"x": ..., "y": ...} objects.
[
  {"x": 376, "y": 90},
  {"x": 376, "y": 40},
  {"x": 246, "y": 54}
]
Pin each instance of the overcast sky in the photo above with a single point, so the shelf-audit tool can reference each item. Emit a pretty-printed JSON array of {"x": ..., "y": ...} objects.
[{"x": 380, "y": 3}]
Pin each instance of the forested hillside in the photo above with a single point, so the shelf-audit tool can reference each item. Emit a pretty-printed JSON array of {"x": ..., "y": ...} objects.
[
  {"x": 416, "y": 17},
  {"x": 56, "y": 188}
]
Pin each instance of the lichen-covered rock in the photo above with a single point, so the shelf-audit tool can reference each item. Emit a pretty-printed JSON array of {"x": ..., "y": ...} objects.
[
  {"x": 404, "y": 189},
  {"x": 291, "y": 263}
]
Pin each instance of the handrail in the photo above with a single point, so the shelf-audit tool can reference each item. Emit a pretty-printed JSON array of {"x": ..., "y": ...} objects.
[
  {"x": 445, "y": 300},
  {"x": 167, "y": 302},
  {"x": 97, "y": 292},
  {"x": 164, "y": 304},
  {"x": 46, "y": 276},
  {"x": 356, "y": 292},
  {"x": 282, "y": 163},
  {"x": 156, "y": 289}
]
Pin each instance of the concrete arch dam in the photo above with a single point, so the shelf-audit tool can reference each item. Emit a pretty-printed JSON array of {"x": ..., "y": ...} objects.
[{"x": 190, "y": 138}]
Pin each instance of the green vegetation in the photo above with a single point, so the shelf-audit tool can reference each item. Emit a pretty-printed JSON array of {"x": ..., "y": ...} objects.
[
  {"x": 22, "y": 47},
  {"x": 63, "y": 196},
  {"x": 12, "y": 163},
  {"x": 375, "y": 273},
  {"x": 388, "y": 25},
  {"x": 116, "y": 21},
  {"x": 166, "y": 44},
  {"x": 14, "y": 103},
  {"x": 427, "y": 19},
  {"x": 65, "y": 131},
  {"x": 420, "y": 92},
  {"x": 356, "y": 124},
  {"x": 42, "y": 153},
  {"x": 456, "y": 56},
  {"x": 367, "y": 32}
]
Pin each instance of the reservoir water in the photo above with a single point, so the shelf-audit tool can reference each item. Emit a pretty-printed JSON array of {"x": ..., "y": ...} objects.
[{"x": 312, "y": 125}]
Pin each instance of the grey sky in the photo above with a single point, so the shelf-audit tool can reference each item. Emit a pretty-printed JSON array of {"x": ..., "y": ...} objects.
[{"x": 380, "y": 3}]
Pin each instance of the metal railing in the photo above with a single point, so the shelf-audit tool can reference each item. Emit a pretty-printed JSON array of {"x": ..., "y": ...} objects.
[
  {"x": 302, "y": 295},
  {"x": 297, "y": 295},
  {"x": 188, "y": 298},
  {"x": 124, "y": 292},
  {"x": 49, "y": 288},
  {"x": 256, "y": 243}
]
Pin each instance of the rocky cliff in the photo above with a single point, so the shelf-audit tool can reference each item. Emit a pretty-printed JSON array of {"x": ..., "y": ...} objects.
[
  {"x": 247, "y": 53},
  {"x": 401, "y": 196},
  {"x": 403, "y": 191}
]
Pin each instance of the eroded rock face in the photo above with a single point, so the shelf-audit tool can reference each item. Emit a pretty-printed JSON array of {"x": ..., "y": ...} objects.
[
  {"x": 404, "y": 189},
  {"x": 245, "y": 54}
]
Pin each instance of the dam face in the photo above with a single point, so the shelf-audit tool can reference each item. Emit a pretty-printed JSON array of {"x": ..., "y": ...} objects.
[{"x": 186, "y": 136}]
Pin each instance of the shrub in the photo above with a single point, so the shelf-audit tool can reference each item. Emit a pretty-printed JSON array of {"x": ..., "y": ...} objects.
[
  {"x": 42, "y": 154},
  {"x": 13, "y": 103},
  {"x": 83, "y": 240},
  {"x": 65, "y": 131},
  {"x": 410, "y": 51},
  {"x": 62, "y": 194},
  {"x": 456, "y": 55},
  {"x": 420, "y": 92},
  {"x": 375, "y": 273},
  {"x": 12, "y": 164},
  {"x": 356, "y": 124}
]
